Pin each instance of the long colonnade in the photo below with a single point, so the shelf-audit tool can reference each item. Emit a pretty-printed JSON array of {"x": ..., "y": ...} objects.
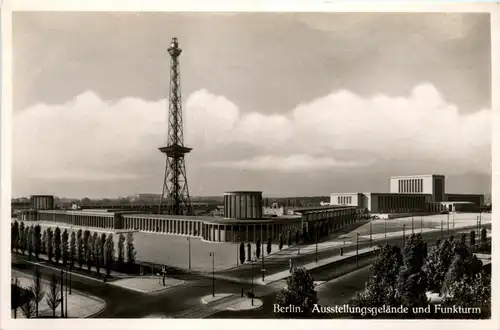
[{"x": 211, "y": 229}]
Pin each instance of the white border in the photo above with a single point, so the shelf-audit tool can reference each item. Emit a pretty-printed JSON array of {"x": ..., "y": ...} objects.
[{"x": 228, "y": 5}]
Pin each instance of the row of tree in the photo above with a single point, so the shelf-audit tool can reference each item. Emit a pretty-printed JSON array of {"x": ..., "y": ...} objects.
[
  {"x": 403, "y": 278},
  {"x": 322, "y": 230},
  {"x": 450, "y": 269},
  {"x": 29, "y": 298},
  {"x": 80, "y": 248}
]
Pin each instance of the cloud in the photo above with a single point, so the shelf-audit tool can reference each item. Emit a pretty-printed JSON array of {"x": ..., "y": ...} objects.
[
  {"x": 88, "y": 138},
  {"x": 293, "y": 163}
]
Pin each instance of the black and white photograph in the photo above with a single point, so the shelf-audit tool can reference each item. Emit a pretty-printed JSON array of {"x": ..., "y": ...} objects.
[{"x": 250, "y": 165}]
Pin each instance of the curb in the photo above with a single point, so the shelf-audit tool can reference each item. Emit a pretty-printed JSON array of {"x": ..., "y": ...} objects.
[
  {"x": 225, "y": 296},
  {"x": 244, "y": 310}
]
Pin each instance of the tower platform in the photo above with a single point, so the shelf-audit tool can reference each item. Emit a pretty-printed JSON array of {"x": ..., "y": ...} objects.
[{"x": 175, "y": 150}]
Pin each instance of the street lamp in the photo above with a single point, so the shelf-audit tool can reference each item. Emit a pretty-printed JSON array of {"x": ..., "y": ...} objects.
[
  {"x": 385, "y": 229},
  {"x": 212, "y": 254},
  {"x": 448, "y": 222},
  {"x": 263, "y": 269},
  {"x": 189, "y": 244},
  {"x": 62, "y": 293},
  {"x": 316, "y": 243},
  {"x": 252, "y": 259},
  {"x": 421, "y": 224},
  {"x": 453, "y": 215},
  {"x": 371, "y": 232},
  {"x": 441, "y": 228},
  {"x": 404, "y": 227},
  {"x": 412, "y": 225},
  {"x": 357, "y": 249}
]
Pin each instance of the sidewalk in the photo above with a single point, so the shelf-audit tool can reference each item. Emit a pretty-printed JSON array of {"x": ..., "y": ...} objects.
[
  {"x": 76, "y": 267},
  {"x": 79, "y": 305},
  {"x": 313, "y": 265}
]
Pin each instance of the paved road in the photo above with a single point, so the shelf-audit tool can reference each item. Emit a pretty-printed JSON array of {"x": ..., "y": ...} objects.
[
  {"x": 124, "y": 303},
  {"x": 275, "y": 265},
  {"x": 180, "y": 300}
]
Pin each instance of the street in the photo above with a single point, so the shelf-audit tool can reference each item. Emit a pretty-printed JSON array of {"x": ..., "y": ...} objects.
[{"x": 125, "y": 303}]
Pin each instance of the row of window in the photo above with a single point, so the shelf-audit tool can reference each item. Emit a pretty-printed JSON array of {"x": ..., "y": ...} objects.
[
  {"x": 411, "y": 186},
  {"x": 343, "y": 200}
]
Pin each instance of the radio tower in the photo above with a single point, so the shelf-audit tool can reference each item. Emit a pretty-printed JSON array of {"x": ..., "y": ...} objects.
[{"x": 175, "y": 195}]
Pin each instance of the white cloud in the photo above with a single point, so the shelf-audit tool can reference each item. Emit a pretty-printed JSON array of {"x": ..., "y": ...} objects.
[
  {"x": 88, "y": 136},
  {"x": 293, "y": 163}
]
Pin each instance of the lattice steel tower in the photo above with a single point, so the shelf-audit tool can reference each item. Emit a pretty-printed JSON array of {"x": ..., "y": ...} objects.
[{"x": 175, "y": 194}]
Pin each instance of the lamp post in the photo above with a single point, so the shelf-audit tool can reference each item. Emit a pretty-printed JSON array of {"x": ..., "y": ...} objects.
[
  {"x": 441, "y": 228},
  {"x": 316, "y": 243},
  {"x": 357, "y": 249},
  {"x": 412, "y": 225},
  {"x": 237, "y": 250},
  {"x": 421, "y": 224},
  {"x": 385, "y": 229},
  {"x": 66, "y": 307},
  {"x": 70, "y": 269},
  {"x": 404, "y": 228},
  {"x": 371, "y": 233},
  {"x": 252, "y": 259},
  {"x": 262, "y": 251},
  {"x": 448, "y": 222},
  {"x": 189, "y": 248},
  {"x": 212, "y": 254},
  {"x": 62, "y": 293},
  {"x": 453, "y": 215}
]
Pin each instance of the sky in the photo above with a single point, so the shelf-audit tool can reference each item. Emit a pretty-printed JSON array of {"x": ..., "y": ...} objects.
[{"x": 290, "y": 104}]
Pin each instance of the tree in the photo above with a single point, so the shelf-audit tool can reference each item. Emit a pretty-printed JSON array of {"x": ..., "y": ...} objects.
[
  {"x": 65, "y": 247},
  {"x": 80, "y": 248},
  {"x": 472, "y": 238},
  {"x": 289, "y": 241},
  {"x": 462, "y": 267},
  {"x": 281, "y": 242},
  {"x": 299, "y": 291},
  {"x": 121, "y": 249},
  {"x": 412, "y": 281},
  {"x": 463, "y": 239},
  {"x": 97, "y": 256},
  {"x": 29, "y": 241},
  {"x": 130, "y": 248},
  {"x": 86, "y": 243},
  {"x": 50, "y": 244},
  {"x": 15, "y": 295},
  {"x": 28, "y": 307},
  {"x": 380, "y": 288},
  {"x": 22, "y": 238},
  {"x": 57, "y": 245},
  {"x": 257, "y": 248},
  {"x": 249, "y": 252},
  {"x": 53, "y": 298},
  {"x": 43, "y": 247},
  {"x": 472, "y": 291},
  {"x": 242, "y": 253},
  {"x": 484, "y": 236},
  {"x": 72, "y": 249},
  {"x": 89, "y": 254},
  {"x": 269, "y": 246},
  {"x": 37, "y": 240},
  {"x": 297, "y": 237},
  {"x": 37, "y": 289},
  {"x": 109, "y": 254},
  {"x": 15, "y": 236},
  {"x": 102, "y": 244},
  {"x": 437, "y": 263}
]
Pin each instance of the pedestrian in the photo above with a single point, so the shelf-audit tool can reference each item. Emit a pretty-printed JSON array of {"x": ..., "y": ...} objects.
[{"x": 163, "y": 279}]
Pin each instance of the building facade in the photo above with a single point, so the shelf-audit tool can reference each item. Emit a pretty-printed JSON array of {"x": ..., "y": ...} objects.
[
  {"x": 409, "y": 194},
  {"x": 240, "y": 225}
]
